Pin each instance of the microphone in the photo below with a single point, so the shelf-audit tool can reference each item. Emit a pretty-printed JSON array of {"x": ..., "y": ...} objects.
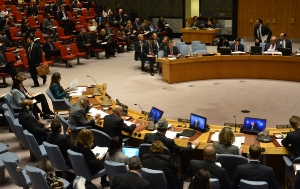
[
  {"x": 98, "y": 89},
  {"x": 234, "y": 124},
  {"x": 143, "y": 112},
  {"x": 140, "y": 108}
]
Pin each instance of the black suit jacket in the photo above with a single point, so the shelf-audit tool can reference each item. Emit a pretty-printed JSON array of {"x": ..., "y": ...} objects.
[
  {"x": 265, "y": 30},
  {"x": 288, "y": 43},
  {"x": 81, "y": 40},
  {"x": 47, "y": 50},
  {"x": 129, "y": 180},
  {"x": 34, "y": 127},
  {"x": 240, "y": 47},
  {"x": 293, "y": 139},
  {"x": 31, "y": 11},
  {"x": 267, "y": 46},
  {"x": 214, "y": 170},
  {"x": 163, "y": 46},
  {"x": 169, "y": 143},
  {"x": 255, "y": 171},
  {"x": 114, "y": 125},
  {"x": 175, "y": 51},
  {"x": 297, "y": 180},
  {"x": 60, "y": 15},
  {"x": 138, "y": 50},
  {"x": 36, "y": 55},
  {"x": 147, "y": 49}
]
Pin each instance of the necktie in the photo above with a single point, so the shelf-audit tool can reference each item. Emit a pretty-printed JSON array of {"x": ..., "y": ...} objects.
[
  {"x": 283, "y": 43},
  {"x": 236, "y": 48},
  {"x": 171, "y": 51},
  {"x": 141, "y": 46},
  {"x": 29, "y": 52},
  {"x": 273, "y": 46},
  {"x": 151, "y": 51},
  {"x": 51, "y": 46}
]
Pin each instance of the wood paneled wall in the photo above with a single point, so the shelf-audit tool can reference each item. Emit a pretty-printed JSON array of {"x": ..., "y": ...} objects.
[{"x": 277, "y": 14}]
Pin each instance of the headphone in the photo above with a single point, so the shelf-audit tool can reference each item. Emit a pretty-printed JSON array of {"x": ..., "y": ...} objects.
[
  {"x": 81, "y": 101},
  {"x": 27, "y": 108}
]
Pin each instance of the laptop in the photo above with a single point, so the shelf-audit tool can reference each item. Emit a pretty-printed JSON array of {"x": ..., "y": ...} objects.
[
  {"x": 156, "y": 114},
  {"x": 254, "y": 125},
  {"x": 130, "y": 152},
  {"x": 197, "y": 123}
]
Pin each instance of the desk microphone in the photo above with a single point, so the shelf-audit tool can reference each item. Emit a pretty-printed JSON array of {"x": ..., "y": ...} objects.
[
  {"x": 99, "y": 91},
  {"x": 140, "y": 108},
  {"x": 234, "y": 124},
  {"x": 143, "y": 112}
]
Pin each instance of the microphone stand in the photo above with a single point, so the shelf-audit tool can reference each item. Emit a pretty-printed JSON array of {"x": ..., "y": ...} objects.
[
  {"x": 143, "y": 112},
  {"x": 98, "y": 89},
  {"x": 235, "y": 124}
]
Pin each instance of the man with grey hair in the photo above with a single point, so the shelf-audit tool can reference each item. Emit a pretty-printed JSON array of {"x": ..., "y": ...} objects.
[
  {"x": 162, "y": 126},
  {"x": 78, "y": 111},
  {"x": 132, "y": 179},
  {"x": 83, "y": 42},
  {"x": 114, "y": 124}
]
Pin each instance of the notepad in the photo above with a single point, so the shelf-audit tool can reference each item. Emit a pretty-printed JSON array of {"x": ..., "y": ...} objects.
[{"x": 99, "y": 151}]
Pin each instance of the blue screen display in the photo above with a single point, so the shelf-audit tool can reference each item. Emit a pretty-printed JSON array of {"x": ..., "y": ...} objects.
[
  {"x": 155, "y": 114},
  {"x": 254, "y": 124},
  {"x": 197, "y": 122},
  {"x": 130, "y": 152}
]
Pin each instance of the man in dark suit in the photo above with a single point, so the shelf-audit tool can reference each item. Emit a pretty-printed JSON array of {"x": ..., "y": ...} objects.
[
  {"x": 66, "y": 22},
  {"x": 136, "y": 24},
  {"x": 209, "y": 164},
  {"x": 237, "y": 46},
  {"x": 293, "y": 138},
  {"x": 162, "y": 127},
  {"x": 149, "y": 54},
  {"x": 252, "y": 126},
  {"x": 254, "y": 170},
  {"x": 163, "y": 46},
  {"x": 26, "y": 119},
  {"x": 261, "y": 30},
  {"x": 139, "y": 49},
  {"x": 121, "y": 18},
  {"x": 78, "y": 111},
  {"x": 114, "y": 124},
  {"x": 62, "y": 141},
  {"x": 34, "y": 55},
  {"x": 171, "y": 50},
  {"x": 132, "y": 179},
  {"x": 273, "y": 46},
  {"x": 82, "y": 43},
  {"x": 32, "y": 10},
  {"x": 48, "y": 26},
  {"x": 284, "y": 42}
]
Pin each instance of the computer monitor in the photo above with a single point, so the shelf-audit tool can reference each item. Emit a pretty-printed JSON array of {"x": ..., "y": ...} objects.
[
  {"x": 254, "y": 125},
  {"x": 225, "y": 50},
  {"x": 74, "y": 84},
  {"x": 197, "y": 122},
  {"x": 255, "y": 50},
  {"x": 156, "y": 114},
  {"x": 130, "y": 152},
  {"x": 286, "y": 51}
]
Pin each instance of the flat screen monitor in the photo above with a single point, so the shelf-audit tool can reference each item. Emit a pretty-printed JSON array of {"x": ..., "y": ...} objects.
[
  {"x": 286, "y": 51},
  {"x": 156, "y": 114},
  {"x": 256, "y": 50},
  {"x": 225, "y": 50},
  {"x": 130, "y": 152},
  {"x": 197, "y": 122},
  {"x": 254, "y": 125}
]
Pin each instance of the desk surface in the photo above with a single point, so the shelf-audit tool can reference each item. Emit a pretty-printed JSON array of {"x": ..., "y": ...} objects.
[{"x": 205, "y": 36}]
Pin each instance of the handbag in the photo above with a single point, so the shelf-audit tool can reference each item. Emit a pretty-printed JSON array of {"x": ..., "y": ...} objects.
[
  {"x": 53, "y": 181},
  {"x": 42, "y": 70}
]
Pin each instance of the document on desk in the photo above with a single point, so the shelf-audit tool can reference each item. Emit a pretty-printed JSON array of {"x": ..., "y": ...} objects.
[
  {"x": 239, "y": 140},
  {"x": 128, "y": 123},
  {"x": 215, "y": 137},
  {"x": 279, "y": 141},
  {"x": 100, "y": 151},
  {"x": 169, "y": 134},
  {"x": 78, "y": 90},
  {"x": 94, "y": 111},
  {"x": 75, "y": 94},
  {"x": 172, "y": 58},
  {"x": 103, "y": 43}
]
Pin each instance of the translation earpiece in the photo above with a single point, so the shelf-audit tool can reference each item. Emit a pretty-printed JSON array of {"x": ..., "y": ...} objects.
[{"x": 27, "y": 108}]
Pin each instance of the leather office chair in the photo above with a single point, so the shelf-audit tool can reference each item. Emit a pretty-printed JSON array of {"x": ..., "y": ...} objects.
[
  {"x": 201, "y": 47},
  {"x": 156, "y": 178},
  {"x": 65, "y": 124},
  {"x": 184, "y": 49},
  {"x": 58, "y": 104},
  {"x": 246, "y": 184},
  {"x": 113, "y": 168},
  {"x": 194, "y": 45},
  {"x": 245, "y": 46},
  {"x": 214, "y": 183},
  {"x": 3, "y": 149},
  {"x": 289, "y": 174}
]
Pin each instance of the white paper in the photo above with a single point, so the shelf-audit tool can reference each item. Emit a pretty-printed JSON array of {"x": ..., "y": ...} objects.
[
  {"x": 215, "y": 137},
  {"x": 279, "y": 141},
  {"x": 75, "y": 94},
  {"x": 171, "y": 134},
  {"x": 218, "y": 164},
  {"x": 297, "y": 167},
  {"x": 101, "y": 150},
  {"x": 94, "y": 111},
  {"x": 171, "y": 58},
  {"x": 78, "y": 90},
  {"x": 104, "y": 43}
]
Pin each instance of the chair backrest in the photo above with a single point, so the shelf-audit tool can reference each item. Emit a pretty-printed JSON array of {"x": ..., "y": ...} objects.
[
  {"x": 57, "y": 44},
  {"x": 41, "y": 18},
  {"x": 67, "y": 101},
  {"x": 18, "y": 15},
  {"x": 194, "y": 45},
  {"x": 69, "y": 14},
  {"x": 60, "y": 32},
  {"x": 19, "y": 178},
  {"x": 81, "y": 20},
  {"x": 201, "y": 47},
  {"x": 36, "y": 177},
  {"x": 10, "y": 57},
  {"x": 200, "y": 52},
  {"x": 55, "y": 23},
  {"x": 214, "y": 183},
  {"x": 156, "y": 178},
  {"x": 11, "y": 119},
  {"x": 230, "y": 163},
  {"x": 184, "y": 49},
  {"x": 67, "y": 2},
  {"x": 55, "y": 156},
  {"x": 31, "y": 21},
  {"x": 13, "y": 8},
  {"x": 84, "y": 12},
  {"x": 64, "y": 123},
  {"x": 79, "y": 165},
  {"x": 40, "y": 35},
  {"x": 22, "y": 51},
  {"x": 92, "y": 12},
  {"x": 246, "y": 184},
  {"x": 245, "y": 46},
  {"x": 145, "y": 149},
  {"x": 13, "y": 31},
  {"x": 218, "y": 25},
  {"x": 7, "y": 106},
  {"x": 74, "y": 48},
  {"x": 160, "y": 54},
  {"x": 33, "y": 144},
  {"x": 63, "y": 50},
  {"x": 178, "y": 44},
  {"x": 262, "y": 45},
  {"x": 101, "y": 138},
  {"x": 113, "y": 168},
  {"x": 49, "y": 93},
  {"x": 19, "y": 129}
]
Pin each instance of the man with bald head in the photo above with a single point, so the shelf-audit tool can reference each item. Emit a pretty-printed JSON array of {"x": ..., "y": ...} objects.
[
  {"x": 273, "y": 46},
  {"x": 114, "y": 124},
  {"x": 27, "y": 120},
  {"x": 78, "y": 113},
  {"x": 209, "y": 163}
]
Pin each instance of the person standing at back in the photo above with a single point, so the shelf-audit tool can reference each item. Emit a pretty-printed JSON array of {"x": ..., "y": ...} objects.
[{"x": 262, "y": 33}]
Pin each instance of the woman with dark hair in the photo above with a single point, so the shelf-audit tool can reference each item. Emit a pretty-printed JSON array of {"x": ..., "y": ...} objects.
[
  {"x": 164, "y": 26},
  {"x": 55, "y": 87},
  {"x": 121, "y": 35},
  {"x": 110, "y": 45},
  {"x": 115, "y": 151},
  {"x": 201, "y": 180},
  {"x": 194, "y": 21},
  {"x": 210, "y": 23},
  {"x": 83, "y": 145}
]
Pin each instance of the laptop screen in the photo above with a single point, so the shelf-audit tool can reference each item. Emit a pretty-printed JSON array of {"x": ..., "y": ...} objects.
[
  {"x": 255, "y": 125},
  {"x": 156, "y": 114},
  {"x": 130, "y": 152},
  {"x": 197, "y": 122}
]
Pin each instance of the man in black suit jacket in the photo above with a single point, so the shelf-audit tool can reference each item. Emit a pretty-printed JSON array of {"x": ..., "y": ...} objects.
[
  {"x": 62, "y": 141},
  {"x": 284, "y": 42},
  {"x": 149, "y": 54},
  {"x": 162, "y": 127},
  {"x": 293, "y": 138},
  {"x": 114, "y": 124},
  {"x": 273, "y": 45},
  {"x": 210, "y": 157},
  {"x": 34, "y": 55},
  {"x": 26, "y": 119},
  {"x": 237, "y": 46},
  {"x": 67, "y": 23},
  {"x": 260, "y": 30},
  {"x": 82, "y": 42},
  {"x": 139, "y": 49},
  {"x": 163, "y": 46},
  {"x": 121, "y": 18},
  {"x": 171, "y": 50},
  {"x": 32, "y": 10},
  {"x": 254, "y": 170},
  {"x": 132, "y": 179}
]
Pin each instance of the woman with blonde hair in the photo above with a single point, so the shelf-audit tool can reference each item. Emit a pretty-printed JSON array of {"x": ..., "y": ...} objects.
[{"x": 224, "y": 145}]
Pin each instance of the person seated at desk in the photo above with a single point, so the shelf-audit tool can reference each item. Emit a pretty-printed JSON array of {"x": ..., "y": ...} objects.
[
  {"x": 171, "y": 50},
  {"x": 254, "y": 170},
  {"x": 273, "y": 46},
  {"x": 210, "y": 23},
  {"x": 114, "y": 152},
  {"x": 78, "y": 111},
  {"x": 57, "y": 90},
  {"x": 194, "y": 21},
  {"x": 201, "y": 179},
  {"x": 162, "y": 127},
  {"x": 114, "y": 124},
  {"x": 163, "y": 46},
  {"x": 224, "y": 145},
  {"x": 223, "y": 42},
  {"x": 284, "y": 42},
  {"x": 237, "y": 46},
  {"x": 293, "y": 138},
  {"x": 48, "y": 26}
]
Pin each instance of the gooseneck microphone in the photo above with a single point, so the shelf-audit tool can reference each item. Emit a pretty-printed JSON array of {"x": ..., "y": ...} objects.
[
  {"x": 140, "y": 108},
  {"x": 235, "y": 124},
  {"x": 99, "y": 91}
]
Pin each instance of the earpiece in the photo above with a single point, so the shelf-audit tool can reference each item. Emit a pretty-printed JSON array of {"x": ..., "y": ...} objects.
[
  {"x": 27, "y": 108},
  {"x": 81, "y": 101}
]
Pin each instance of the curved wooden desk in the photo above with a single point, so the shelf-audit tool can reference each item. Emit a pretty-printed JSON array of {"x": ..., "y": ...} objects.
[
  {"x": 231, "y": 66},
  {"x": 205, "y": 36}
]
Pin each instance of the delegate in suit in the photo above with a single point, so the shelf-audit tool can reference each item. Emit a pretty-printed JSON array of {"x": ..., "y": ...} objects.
[
  {"x": 237, "y": 46},
  {"x": 261, "y": 30},
  {"x": 273, "y": 45},
  {"x": 171, "y": 50},
  {"x": 284, "y": 42}
]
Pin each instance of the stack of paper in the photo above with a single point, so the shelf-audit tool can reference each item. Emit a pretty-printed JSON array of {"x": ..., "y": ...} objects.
[
  {"x": 279, "y": 141},
  {"x": 239, "y": 140},
  {"x": 100, "y": 151},
  {"x": 94, "y": 111},
  {"x": 215, "y": 137},
  {"x": 128, "y": 123}
]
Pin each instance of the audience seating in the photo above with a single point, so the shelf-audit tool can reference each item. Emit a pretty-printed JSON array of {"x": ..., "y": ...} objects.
[
  {"x": 201, "y": 47},
  {"x": 246, "y": 184},
  {"x": 3, "y": 75},
  {"x": 11, "y": 120},
  {"x": 289, "y": 173},
  {"x": 262, "y": 45},
  {"x": 25, "y": 61},
  {"x": 65, "y": 55},
  {"x": 101, "y": 139},
  {"x": 13, "y": 32},
  {"x": 7, "y": 106},
  {"x": 86, "y": 16},
  {"x": 156, "y": 178},
  {"x": 58, "y": 104},
  {"x": 185, "y": 49},
  {"x": 61, "y": 35},
  {"x": 65, "y": 124},
  {"x": 245, "y": 46},
  {"x": 178, "y": 44},
  {"x": 76, "y": 52},
  {"x": 97, "y": 51},
  {"x": 10, "y": 58},
  {"x": 18, "y": 16},
  {"x": 113, "y": 168},
  {"x": 39, "y": 34},
  {"x": 200, "y": 52},
  {"x": 49, "y": 62},
  {"x": 41, "y": 8},
  {"x": 3, "y": 148},
  {"x": 32, "y": 23},
  {"x": 92, "y": 12}
]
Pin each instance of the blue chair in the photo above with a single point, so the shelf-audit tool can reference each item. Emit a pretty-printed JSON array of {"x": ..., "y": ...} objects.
[
  {"x": 160, "y": 54},
  {"x": 11, "y": 119},
  {"x": 80, "y": 167},
  {"x": 156, "y": 178},
  {"x": 218, "y": 26},
  {"x": 56, "y": 158},
  {"x": 184, "y": 49},
  {"x": 67, "y": 101},
  {"x": 38, "y": 150},
  {"x": 194, "y": 45},
  {"x": 214, "y": 183},
  {"x": 17, "y": 175},
  {"x": 3, "y": 149},
  {"x": 245, "y": 46},
  {"x": 230, "y": 163},
  {"x": 8, "y": 101},
  {"x": 262, "y": 45},
  {"x": 201, "y": 47},
  {"x": 289, "y": 170},
  {"x": 58, "y": 104},
  {"x": 200, "y": 52},
  {"x": 113, "y": 168},
  {"x": 101, "y": 139},
  {"x": 36, "y": 176},
  {"x": 66, "y": 124},
  {"x": 246, "y": 184},
  {"x": 145, "y": 149},
  {"x": 178, "y": 44}
]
